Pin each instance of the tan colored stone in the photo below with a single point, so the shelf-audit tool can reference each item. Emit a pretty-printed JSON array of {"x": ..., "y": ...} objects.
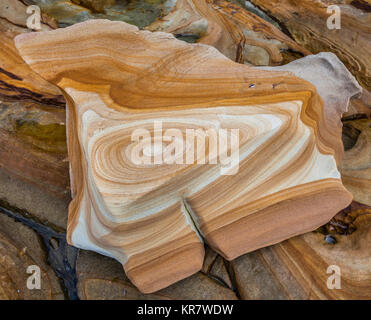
[
  {"x": 297, "y": 268},
  {"x": 103, "y": 278}
]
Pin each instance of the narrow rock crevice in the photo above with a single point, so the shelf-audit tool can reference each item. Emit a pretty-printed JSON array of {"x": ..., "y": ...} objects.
[{"x": 61, "y": 256}]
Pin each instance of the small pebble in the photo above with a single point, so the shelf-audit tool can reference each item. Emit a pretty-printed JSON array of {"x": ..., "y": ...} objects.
[{"x": 330, "y": 239}]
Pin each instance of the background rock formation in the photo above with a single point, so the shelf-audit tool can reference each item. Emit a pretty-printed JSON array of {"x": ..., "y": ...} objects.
[
  {"x": 356, "y": 165},
  {"x": 33, "y": 149},
  {"x": 138, "y": 12},
  {"x": 239, "y": 34},
  {"x": 306, "y": 20},
  {"x": 95, "y": 5}
]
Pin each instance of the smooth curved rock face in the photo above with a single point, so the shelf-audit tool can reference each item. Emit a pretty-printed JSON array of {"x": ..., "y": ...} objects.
[
  {"x": 336, "y": 86},
  {"x": 153, "y": 217}
]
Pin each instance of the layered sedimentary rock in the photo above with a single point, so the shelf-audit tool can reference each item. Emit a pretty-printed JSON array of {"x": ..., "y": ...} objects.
[
  {"x": 32, "y": 120},
  {"x": 294, "y": 269},
  {"x": 304, "y": 267},
  {"x": 17, "y": 80},
  {"x": 138, "y": 12},
  {"x": 33, "y": 150},
  {"x": 33, "y": 159},
  {"x": 355, "y": 167},
  {"x": 102, "y": 278},
  {"x": 336, "y": 86},
  {"x": 306, "y": 20},
  {"x": 334, "y": 83},
  {"x": 152, "y": 216},
  {"x": 239, "y": 34}
]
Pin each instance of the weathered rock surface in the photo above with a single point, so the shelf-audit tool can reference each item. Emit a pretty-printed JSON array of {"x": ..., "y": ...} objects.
[
  {"x": 33, "y": 145},
  {"x": 298, "y": 195},
  {"x": 359, "y": 107},
  {"x": 33, "y": 150},
  {"x": 17, "y": 80},
  {"x": 293, "y": 269},
  {"x": 138, "y": 12},
  {"x": 297, "y": 268},
  {"x": 220, "y": 273},
  {"x": 95, "y": 5},
  {"x": 306, "y": 20},
  {"x": 239, "y": 34},
  {"x": 355, "y": 168},
  {"x": 334, "y": 83},
  {"x": 20, "y": 247},
  {"x": 42, "y": 206},
  {"x": 15, "y": 12}
]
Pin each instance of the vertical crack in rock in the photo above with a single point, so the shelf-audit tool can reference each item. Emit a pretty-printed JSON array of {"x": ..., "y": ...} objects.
[
  {"x": 192, "y": 217},
  {"x": 232, "y": 276}
]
